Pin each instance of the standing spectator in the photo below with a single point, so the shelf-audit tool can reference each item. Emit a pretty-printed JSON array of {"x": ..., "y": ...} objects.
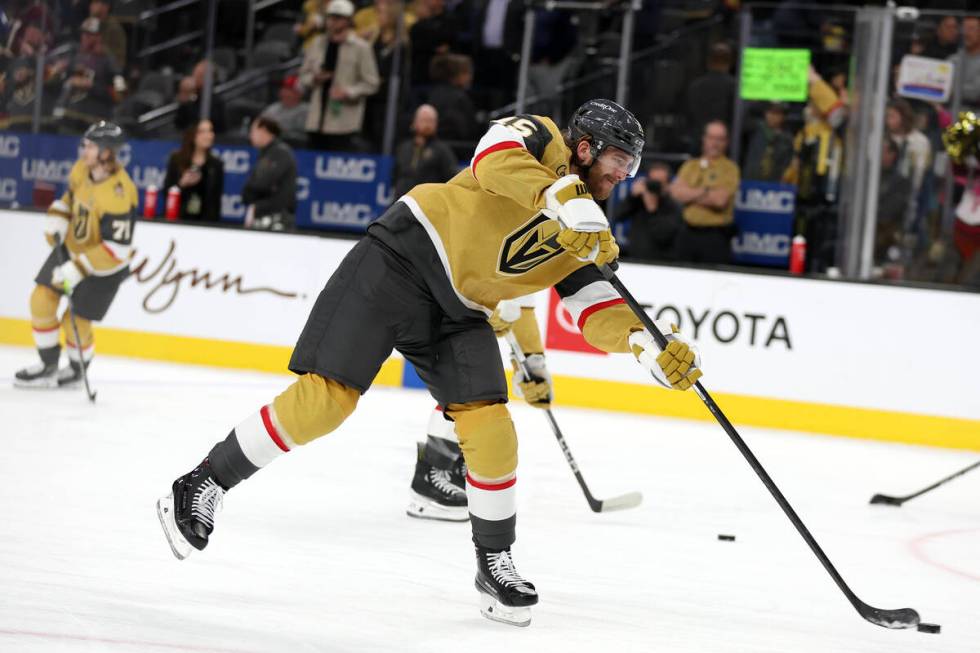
[
  {"x": 270, "y": 190},
  {"x": 555, "y": 38},
  {"x": 198, "y": 173},
  {"x": 340, "y": 69},
  {"x": 915, "y": 152},
  {"x": 710, "y": 96},
  {"x": 706, "y": 188},
  {"x": 313, "y": 22},
  {"x": 378, "y": 25},
  {"x": 654, "y": 218},
  {"x": 93, "y": 82},
  {"x": 113, "y": 35},
  {"x": 189, "y": 93},
  {"x": 290, "y": 112},
  {"x": 770, "y": 148},
  {"x": 453, "y": 75},
  {"x": 17, "y": 94},
  {"x": 433, "y": 33},
  {"x": 378, "y": 18},
  {"x": 423, "y": 159},
  {"x": 945, "y": 41},
  {"x": 498, "y": 28},
  {"x": 894, "y": 193},
  {"x": 971, "y": 62}
]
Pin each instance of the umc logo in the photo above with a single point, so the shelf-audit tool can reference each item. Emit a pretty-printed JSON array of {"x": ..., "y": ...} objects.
[
  {"x": 760, "y": 244},
  {"x": 8, "y": 189},
  {"x": 9, "y": 147},
  {"x": 766, "y": 201},
  {"x": 530, "y": 246},
  {"x": 236, "y": 161},
  {"x": 345, "y": 169}
]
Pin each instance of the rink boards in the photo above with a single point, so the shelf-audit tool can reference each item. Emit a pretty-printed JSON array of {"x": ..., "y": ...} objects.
[{"x": 850, "y": 359}]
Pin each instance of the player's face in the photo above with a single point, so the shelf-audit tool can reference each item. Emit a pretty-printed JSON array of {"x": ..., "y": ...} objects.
[
  {"x": 613, "y": 166},
  {"x": 90, "y": 154}
]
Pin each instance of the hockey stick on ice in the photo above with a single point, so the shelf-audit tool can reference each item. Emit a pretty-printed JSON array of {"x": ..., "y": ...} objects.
[
  {"x": 898, "y": 501},
  {"x": 622, "y": 502},
  {"x": 74, "y": 325},
  {"x": 898, "y": 618}
]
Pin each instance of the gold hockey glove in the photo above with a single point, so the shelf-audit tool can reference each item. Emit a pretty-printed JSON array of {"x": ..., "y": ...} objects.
[
  {"x": 504, "y": 316},
  {"x": 536, "y": 390},
  {"x": 675, "y": 367},
  {"x": 599, "y": 247}
]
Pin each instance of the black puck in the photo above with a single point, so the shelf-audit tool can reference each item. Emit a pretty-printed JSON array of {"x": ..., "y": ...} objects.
[
  {"x": 929, "y": 628},
  {"x": 726, "y": 538}
]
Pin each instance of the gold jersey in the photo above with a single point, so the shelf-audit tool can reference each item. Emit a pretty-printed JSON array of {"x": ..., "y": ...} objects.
[
  {"x": 494, "y": 240},
  {"x": 100, "y": 217}
]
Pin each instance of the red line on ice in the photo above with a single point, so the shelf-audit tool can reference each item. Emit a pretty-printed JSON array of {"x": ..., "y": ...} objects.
[
  {"x": 109, "y": 640},
  {"x": 917, "y": 546}
]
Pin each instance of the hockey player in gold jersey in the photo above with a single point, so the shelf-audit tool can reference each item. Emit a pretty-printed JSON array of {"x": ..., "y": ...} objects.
[
  {"x": 521, "y": 218},
  {"x": 91, "y": 231}
]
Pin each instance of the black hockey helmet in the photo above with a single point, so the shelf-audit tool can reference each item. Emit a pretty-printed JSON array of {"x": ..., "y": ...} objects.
[
  {"x": 605, "y": 123},
  {"x": 107, "y": 135}
]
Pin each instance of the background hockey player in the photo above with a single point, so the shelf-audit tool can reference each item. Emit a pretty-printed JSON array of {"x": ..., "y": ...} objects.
[
  {"x": 91, "y": 230},
  {"x": 424, "y": 280},
  {"x": 439, "y": 483}
]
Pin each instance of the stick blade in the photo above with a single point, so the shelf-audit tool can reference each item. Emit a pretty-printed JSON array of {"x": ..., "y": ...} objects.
[
  {"x": 886, "y": 500},
  {"x": 895, "y": 619},
  {"x": 623, "y": 502}
]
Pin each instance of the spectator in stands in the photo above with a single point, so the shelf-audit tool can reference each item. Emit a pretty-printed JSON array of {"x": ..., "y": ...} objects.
[
  {"x": 17, "y": 93},
  {"x": 93, "y": 83},
  {"x": 894, "y": 193},
  {"x": 290, "y": 112},
  {"x": 423, "y": 159},
  {"x": 706, "y": 188},
  {"x": 433, "y": 33},
  {"x": 270, "y": 191},
  {"x": 971, "y": 61},
  {"x": 770, "y": 148},
  {"x": 915, "y": 151},
  {"x": 378, "y": 20},
  {"x": 340, "y": 70},
  {"x": 945, "y": 41},
  {"x": 654, "y": 218},
  {"x": 189, "y": 92},
  {"x": 199, "y": 174},
  {"x": 497, "y": 32},
  {"x": 555, "y": 38},
  {"x": 313, "y": 23},
  {"x": 113, "y": 35},
  {"x": 378, "y": 25},
  {"x": 453, "y": 75},
  {"x": 710, "y": 96}
]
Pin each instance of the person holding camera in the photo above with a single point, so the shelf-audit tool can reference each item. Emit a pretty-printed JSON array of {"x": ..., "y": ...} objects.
[
  {"x": 198, "y": 173},
  {"x": 654, "y": 217}
]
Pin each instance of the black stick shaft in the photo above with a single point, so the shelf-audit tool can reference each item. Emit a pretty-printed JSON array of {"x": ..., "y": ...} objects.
[
  {"x": 74, "y": 327},
  {"x": 942, "y": 482},
  {"x": 740, "y": 444}
]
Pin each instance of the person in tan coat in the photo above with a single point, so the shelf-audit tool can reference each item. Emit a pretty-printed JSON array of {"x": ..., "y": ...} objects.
[{"x": 340, "y": 70}]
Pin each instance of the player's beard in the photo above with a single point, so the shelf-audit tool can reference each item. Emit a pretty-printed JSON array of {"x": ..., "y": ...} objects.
[{"x": 600, "y": 185}]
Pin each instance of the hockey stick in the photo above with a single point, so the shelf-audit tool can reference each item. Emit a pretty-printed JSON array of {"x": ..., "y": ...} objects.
[
  {"x": 74, "y": 325},
  {"x": 622, "y": 502},
  {"x": 898, "y": 501},
  {"x": 898, "y": 618}
]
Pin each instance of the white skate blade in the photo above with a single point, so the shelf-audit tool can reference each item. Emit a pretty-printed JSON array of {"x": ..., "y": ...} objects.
[
  {"x": 423, "y": 508},
  {"x": 42, "y": 383},
  {"x": 494, "y": 610},
  {"x": 178, "y": 544}
]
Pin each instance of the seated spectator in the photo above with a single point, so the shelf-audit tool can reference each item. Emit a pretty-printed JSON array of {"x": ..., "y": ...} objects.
[
  {"x": 93, "y": 83},
  {"x": 113, "y": 35},
  {"x": 270, "y": 190},
  {"x": 199, "y": 174},
  {"x": 453, "y": 75},
  {"x": 711, "y": 96},
  {"x": 423, "y": 159},
  {"x": 17, "y": 94},
  {"x": 290, "y": 112},
  {"x": 189, "y": 92},
  {"x": 340, "y": 70},
  {"x": 894, "y": 193},
  {"x": 654, "y": 218},
  {"x": 770, "y": 148},
  {"x": 433, "y": 33},
  {"x": 706, "y": 188}
]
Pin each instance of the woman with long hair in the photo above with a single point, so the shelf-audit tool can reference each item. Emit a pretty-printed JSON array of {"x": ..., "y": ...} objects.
[{"x": 198, "y": 173}]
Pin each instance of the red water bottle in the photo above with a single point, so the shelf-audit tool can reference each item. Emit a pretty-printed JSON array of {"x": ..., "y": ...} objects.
[
  {"x": 150, "y": 202},
  {"x": 797, "y": 255},
  {"x": 173, "y": 203}
]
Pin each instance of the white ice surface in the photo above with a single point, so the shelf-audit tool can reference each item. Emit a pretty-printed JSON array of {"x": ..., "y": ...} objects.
[{"x": 315, "y": 552}]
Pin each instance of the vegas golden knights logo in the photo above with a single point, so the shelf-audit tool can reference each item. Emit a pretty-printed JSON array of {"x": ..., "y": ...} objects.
[
  {"x": 531, "y": 245},
  {"x": 81, "y": 222}
]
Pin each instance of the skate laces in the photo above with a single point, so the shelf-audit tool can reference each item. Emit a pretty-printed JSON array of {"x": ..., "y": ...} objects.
[
  {"x": 442, "y": 480},
  {"x": 503, "y": 571},
  {"x": 207, "y": 499}
]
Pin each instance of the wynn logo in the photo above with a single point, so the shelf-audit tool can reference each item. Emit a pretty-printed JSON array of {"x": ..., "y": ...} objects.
[
  {"x": 166, "y": 280},
  {"x": 530, "y": 246}
]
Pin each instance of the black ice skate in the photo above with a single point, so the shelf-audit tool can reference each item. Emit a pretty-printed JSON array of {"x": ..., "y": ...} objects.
[
  {"x": 41, "y": 375},
  {"x": 187, "y": 513},
  {"x": 437, "y": 493},
  {"x": 504, "y": 595},
  {"x": 71, "y": 376}
]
